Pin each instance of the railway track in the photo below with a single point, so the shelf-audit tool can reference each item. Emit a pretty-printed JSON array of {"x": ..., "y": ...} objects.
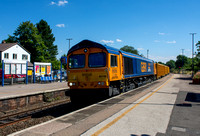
[
  {"x": 16, "y": 122},
  {"x": 26, "y": 115}
]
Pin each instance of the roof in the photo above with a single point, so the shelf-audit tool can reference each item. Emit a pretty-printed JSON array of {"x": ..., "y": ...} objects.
[
  {"x": 89, "y": 44},
  {"x": 5, "y": 46},
  {"x": 128, "y": 54}
]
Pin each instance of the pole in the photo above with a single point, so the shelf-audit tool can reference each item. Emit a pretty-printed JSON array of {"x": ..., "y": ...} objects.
[
  {"x": 192, "y": 53},
  {"x": 69, "y": 41},
  {"x": 182, "y": 59},
  {"x": 34, "y": 72},
  {"x": 61, "y": 72},
  {"x": 147, "y": 53},
  {"x": 27, "y": 72},
  {"x": 2, "y": 74}
]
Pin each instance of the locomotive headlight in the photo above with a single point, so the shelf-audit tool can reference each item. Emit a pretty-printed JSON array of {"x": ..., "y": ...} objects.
[
  {"x": 102, "y": 83},
  {"x": 99, "y": 83},
  {"x": 72, "y": 84}
]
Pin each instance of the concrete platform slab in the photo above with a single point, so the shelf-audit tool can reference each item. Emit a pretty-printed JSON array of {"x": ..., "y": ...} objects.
[{"x": 12, "y": 91}]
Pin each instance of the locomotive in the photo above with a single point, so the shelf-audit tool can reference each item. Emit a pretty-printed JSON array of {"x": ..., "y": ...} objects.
[{"x": 93, "y": 66}]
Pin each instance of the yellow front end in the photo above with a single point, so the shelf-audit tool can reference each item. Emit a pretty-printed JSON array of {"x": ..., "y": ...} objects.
[
  {"x": 88, "y": 69},
  {"x": 88, "y": 79}
]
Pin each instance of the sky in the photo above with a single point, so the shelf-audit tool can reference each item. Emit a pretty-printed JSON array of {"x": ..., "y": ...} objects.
[{"x": 161, "y": 26}]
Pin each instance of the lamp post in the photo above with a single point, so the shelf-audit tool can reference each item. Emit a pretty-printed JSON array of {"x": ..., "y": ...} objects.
[
  {"x": 69, "y": 41},
  {"x": 192, "y": 53}
]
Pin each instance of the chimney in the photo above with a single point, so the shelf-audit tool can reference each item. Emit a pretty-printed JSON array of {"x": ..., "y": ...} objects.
[{"x": 3, "y": 41}]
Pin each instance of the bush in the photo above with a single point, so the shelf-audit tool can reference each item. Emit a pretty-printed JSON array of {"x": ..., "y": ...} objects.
[{"x": 197, "y": 75}]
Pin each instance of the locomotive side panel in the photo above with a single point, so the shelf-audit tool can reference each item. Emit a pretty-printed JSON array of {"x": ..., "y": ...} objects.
[{"x": 114, "y": 66}]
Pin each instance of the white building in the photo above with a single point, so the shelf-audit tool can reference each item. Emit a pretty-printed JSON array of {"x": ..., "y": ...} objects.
[
  {"x": 13, "y": 52},
  {"x": 15, "y": 58}
]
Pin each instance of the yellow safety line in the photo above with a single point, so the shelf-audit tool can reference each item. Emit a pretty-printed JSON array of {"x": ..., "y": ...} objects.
[{"x": 127, "y": 111}]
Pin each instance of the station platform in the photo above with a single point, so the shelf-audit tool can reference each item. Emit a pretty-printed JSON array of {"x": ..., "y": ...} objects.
[
  {"x": 168, "y": 107},
  {"x": 19, "y": 90},
  {"x": 19, "y": 97}
]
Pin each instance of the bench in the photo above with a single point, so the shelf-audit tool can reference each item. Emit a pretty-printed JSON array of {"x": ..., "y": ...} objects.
[{"x": 46, "y": 79}]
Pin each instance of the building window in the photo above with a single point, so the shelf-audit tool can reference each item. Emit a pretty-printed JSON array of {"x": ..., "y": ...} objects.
[
  {"x": 6, "y": 55},
  {"x": 113, "y": 61},
  {"x": 24, "y": 57},
  {"x": 14, "y": 56}
]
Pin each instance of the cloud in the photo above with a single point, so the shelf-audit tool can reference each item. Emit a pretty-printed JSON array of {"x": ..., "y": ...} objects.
[
  {"x": 140, "y": 49},
  {"x": 52, "y": 3},
  {"x": 171, "y": 42},
  {"x": 161, "y": 33},
  {"x": 156, "y": 41},
  {"x": 60, "y": 3},
  {"x": 107, "y": 41},
  {"x": 118, "y": 40},
  {"x": 161, "y": 58},
  {"x": 60, "y": 25}
]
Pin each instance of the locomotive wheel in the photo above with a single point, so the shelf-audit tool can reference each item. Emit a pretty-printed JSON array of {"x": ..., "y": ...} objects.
[{"x": 116, "y": 91}]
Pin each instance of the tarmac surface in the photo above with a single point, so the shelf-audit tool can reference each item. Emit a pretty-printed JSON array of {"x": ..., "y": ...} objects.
[
  {"x": 10, "y": 91},
  {"x": 168, "y": 107}
]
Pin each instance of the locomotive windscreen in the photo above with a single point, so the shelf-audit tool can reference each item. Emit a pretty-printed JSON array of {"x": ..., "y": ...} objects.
[{"x": 128, "y": 66}]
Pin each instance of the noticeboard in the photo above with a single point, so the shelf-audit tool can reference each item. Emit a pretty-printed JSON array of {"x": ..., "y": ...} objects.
[
  {"x": 42, "y": 70},
  {"x": 63, "y": 60},
  {"x": 30, "y": 72},
  {"x": 48, "y": 70},
  {"x": 37, "y": 70}
]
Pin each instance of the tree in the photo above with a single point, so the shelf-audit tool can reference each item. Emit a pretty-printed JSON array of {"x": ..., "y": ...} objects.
[
  {"x": 130, "y": 49},
  {"x": 181, "y": 61},
  {"x": 27, "y": 36},
  {"x": 171, "y": 64},
  {"x": 161, "y": 63},
  {"x": 48, "y": 38},
  {"x": 198, "y": 47}
]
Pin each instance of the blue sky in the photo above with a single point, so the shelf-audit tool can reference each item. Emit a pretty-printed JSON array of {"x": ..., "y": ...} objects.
[{"x": 162, "y": 26}]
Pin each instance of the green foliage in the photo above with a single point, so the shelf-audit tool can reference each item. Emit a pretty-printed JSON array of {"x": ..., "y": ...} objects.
[
  {"x": 56, "y": 64},
  {"x": 198, "y": 47},
  {"x": 161, "y": 63},
  {"x": 38, "y": 40},
  {"x": 48, "y": 38},
  {"x": 27, "y": 36},
  {"x": 130, "y": 49},
  {"x": 171, "y": 64},
  {"x": 181, "y": 61}
]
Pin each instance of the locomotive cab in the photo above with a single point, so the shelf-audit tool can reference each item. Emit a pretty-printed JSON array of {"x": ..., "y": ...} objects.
[{"x": 87, "y": 69}]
